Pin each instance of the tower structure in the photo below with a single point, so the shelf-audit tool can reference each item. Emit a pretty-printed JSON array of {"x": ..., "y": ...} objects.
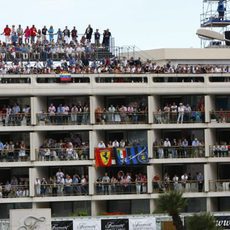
[{"x": 215, "y": 17}]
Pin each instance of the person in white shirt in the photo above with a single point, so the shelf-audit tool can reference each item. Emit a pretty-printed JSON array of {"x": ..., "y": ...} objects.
[
  {"x": 115, "y": 144},
  {"x": 101, "y": 144},
  {"x": 167, "y": 145},
  {"x": 180, "y": 117}
]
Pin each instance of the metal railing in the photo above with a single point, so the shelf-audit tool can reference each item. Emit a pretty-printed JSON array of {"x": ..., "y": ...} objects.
[
  {"x": 161, "y": 152},
  {"x": 219, "y": 150},
  {"x": 55, "y": 154},
  {"x": 120, "y": 188},
  {"x": 78, "y": 118},
  {"x": 162, "y": 117},
  {"x": 19, "y": 119},
  {"x": 58, "y": 189},
  {"x": 15, "y": 155},
  {"x": 220, "y": 116},
  {"x": 121, "y": 117},
  {"x": 219, "y": 185},
  {"x": 182, "y": 186},
  {"x": 14, "y": 191}
]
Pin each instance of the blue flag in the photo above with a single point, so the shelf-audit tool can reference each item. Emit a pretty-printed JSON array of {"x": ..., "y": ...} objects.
[{"x": 131, "y": 155}]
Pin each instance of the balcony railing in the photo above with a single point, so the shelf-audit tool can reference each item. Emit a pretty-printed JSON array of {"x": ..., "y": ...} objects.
[
  {"x": 55, "y": 154},
  {"x": 219, "y": 185},
  {"x": 220, "y": 116},
  {"x": 162, "y": 117},
  {"x": 188, "y": 186},
  {"x": 58, "y": 189},
  {"x": 219, "y": 150},
  {"x": 14, "y": 191},
  {"x": 15, "y": 155},
  {"x": 19, "y": 119},
  {"x": 81, "y": 118},
  {"x": 161, "y": 152},
  {"x": 121, "y": 117},
  {"x": 120, "y": 188}
]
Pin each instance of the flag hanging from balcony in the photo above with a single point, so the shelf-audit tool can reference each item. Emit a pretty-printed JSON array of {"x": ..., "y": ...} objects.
[
  {"x": 65, "y": 77},
  {"x": 103, "y": 157},
  {"x": 131, "y": 155},
  {"x": 120, "y": 155}
]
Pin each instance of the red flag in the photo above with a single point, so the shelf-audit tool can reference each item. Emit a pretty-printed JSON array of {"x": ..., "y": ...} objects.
[{"x": 103, "y": 157}]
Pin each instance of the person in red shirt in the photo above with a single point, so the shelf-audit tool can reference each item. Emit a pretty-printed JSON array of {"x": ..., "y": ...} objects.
[
  {"x": 7, "y": 32},
  {"x": 33, "y": 33},
  {"x": 27, "y": 34}
]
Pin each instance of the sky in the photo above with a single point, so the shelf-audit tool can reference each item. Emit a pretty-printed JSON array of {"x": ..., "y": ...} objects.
[{"x": 143, "y": 24}]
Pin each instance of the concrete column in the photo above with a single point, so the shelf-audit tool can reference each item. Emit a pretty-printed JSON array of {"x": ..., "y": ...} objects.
[
  {"x": 209, "y": 101},
  {"x": 152, "y": 204},
  {"x": 150, "y": 173},
  {"x": 211, "y": 204},
  {"x": 209, "y": 140},
  {"x": 150, "y": 136},
  {"x": 38, "y": 104},
  {"x": 92, "y": 179},
  {"x": 92, "y": 104},
  {"x": 36, "y": 140},
  {"x": 210, "y": 175},
  {"x": 32, "y": 177},
  {"x": 150, "y": 108}
]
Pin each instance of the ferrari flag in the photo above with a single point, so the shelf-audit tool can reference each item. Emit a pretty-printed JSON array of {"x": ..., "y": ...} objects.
[{"x": 103, "y": 157}]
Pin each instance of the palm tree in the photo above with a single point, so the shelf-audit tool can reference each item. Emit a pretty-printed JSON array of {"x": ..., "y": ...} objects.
[
  {"x": 172, "y": 203},
  {"x": 204, "y": 221}
]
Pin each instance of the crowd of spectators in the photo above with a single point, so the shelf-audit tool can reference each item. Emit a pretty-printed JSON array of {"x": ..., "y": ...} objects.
[
  {"x": 132, "y": 113},
  {"x": 61, "y": 184},
  {"x": 173, "y": 113},
  {"x": 14, "y": 115},
  {"x": 64, "y": 149},
  {"x": 79, "y": 61},
  {"x": 16, "y": 187},
  {"x": 121, "y": 183},
  {"x": 178, "y": 148},
  {"x": 220, "y": 116},
  {"x": 44, "y": 46},
  {"x": 220, "y": 150},
  {"x": 14, "y": 151},
  {"x": 65, "y": 114},
  {"x": 184, "y": 182}
]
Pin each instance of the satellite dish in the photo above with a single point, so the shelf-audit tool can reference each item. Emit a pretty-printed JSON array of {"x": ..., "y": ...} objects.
[{"x": 209, "y": 34}]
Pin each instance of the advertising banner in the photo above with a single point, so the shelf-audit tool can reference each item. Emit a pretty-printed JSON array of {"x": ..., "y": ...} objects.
[
  {"x": 223, "y": 222},
  {"x": 87, "y": 224},
  {"x": 145, "y": 223},
  {"x": 115, "y": 224},
  {"x": 60, "y": 225}
]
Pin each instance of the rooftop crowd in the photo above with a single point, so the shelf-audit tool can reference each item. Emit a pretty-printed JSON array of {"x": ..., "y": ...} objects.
[{"x": 45, "y": 50}]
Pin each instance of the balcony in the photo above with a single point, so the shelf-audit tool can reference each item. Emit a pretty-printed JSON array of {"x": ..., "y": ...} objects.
[
  {"x": 121, "y": 187},
  {"x": 15, "y": 155},
  {"x": 121, "y": 117},
  {"x": 219, "y": 150},
  {"x": 188, "y": 186},
  {"x": 14, "y": 191},
  {"x": 161, "y": 152},
  {"x": 219, "y": 185},
  {"x": 19, "y": 119},
  {"x": 220, "y": 116},
  {"x": 162, "y": 117},
  {"x": 80, "y": 118},
  {"x": 60, "y": 189},
  {"x": 62, "y": 154}
]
